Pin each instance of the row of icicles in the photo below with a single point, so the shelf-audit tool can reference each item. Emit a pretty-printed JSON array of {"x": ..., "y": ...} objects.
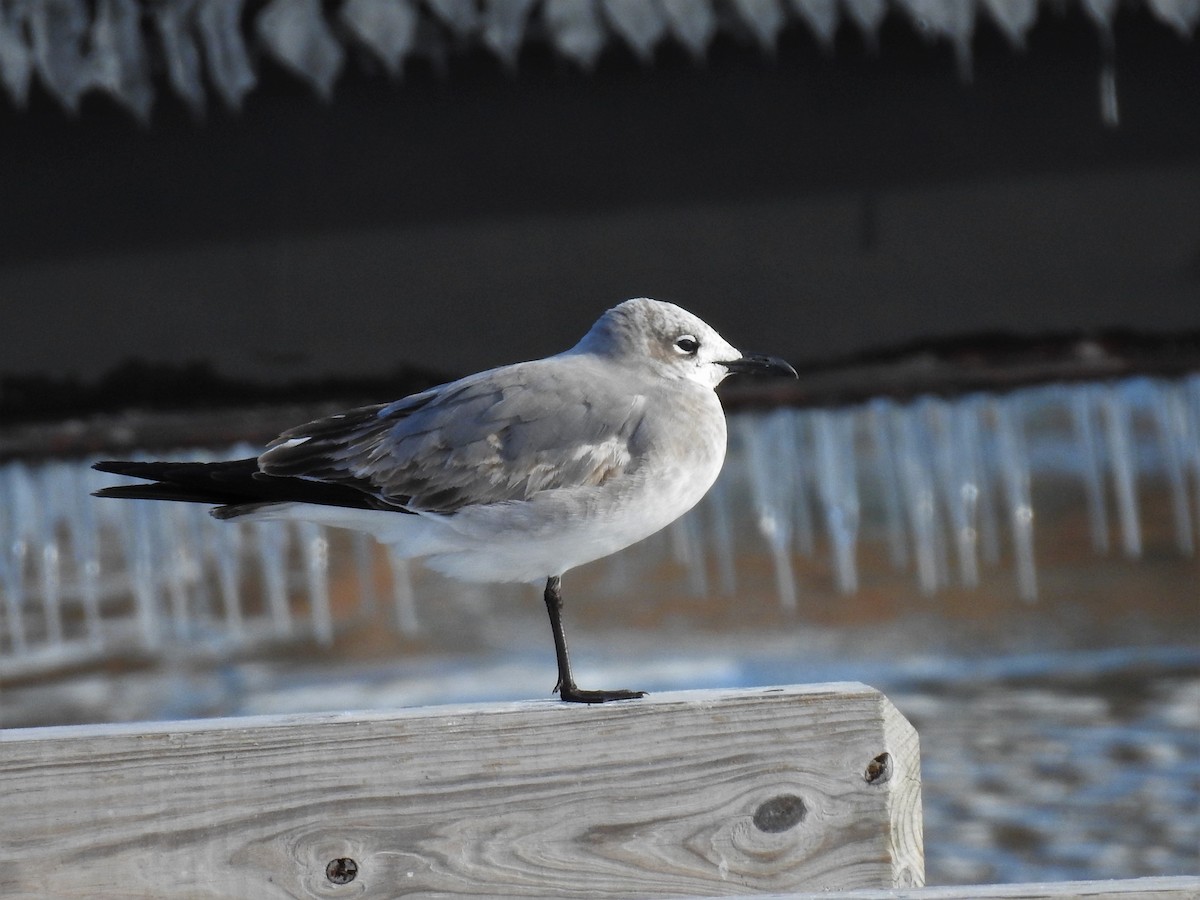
[{"x": 948, "y": 484}]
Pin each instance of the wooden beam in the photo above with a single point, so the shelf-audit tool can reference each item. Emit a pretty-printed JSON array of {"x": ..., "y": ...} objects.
[
  {"x": 1179, "y": 887},
  {"x": 711, "y": 792}
]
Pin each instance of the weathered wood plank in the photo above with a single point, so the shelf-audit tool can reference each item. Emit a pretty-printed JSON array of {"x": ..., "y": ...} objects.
[
  {"x": 708, "y": 792},
  {"x": 1182, "y": 887}
]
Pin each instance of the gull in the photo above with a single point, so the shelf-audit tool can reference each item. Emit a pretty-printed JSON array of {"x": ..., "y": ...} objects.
[{"x": 515, "y": 474}]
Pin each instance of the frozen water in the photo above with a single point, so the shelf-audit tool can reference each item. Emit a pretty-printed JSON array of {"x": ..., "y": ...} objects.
[
  {"x": 386, "y": 27},
  {"x": 504, "y": 24},
  {"x": 641, "y": 25},
  {"x": 218, "y": 24},
  {"x": 75, "y": 46},
  {"x": 945, "y": 487},
  {"x": 575, "y": 29},
  {"x": 764, "y": 18},
  {"x": 691, "y": 24},
  {"x": 295, "y": 33},
  {"x": 760, "y": 436},
  {"x": 837, "y": 488}
]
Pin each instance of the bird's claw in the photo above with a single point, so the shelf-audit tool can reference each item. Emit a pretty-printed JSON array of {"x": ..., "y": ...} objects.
[{"x": 576, "y": 695}]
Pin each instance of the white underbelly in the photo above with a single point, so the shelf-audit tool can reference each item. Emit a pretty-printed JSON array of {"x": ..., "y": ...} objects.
[{"x": 559, "y": 530}]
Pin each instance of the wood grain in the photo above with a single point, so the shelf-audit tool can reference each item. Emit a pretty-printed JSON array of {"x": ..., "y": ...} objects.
[
  {"x": 1179, "y": 887},
  {"x": 700, "y": 792}
]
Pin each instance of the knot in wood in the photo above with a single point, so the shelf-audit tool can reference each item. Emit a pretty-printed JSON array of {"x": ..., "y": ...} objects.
[{"x": 779, "y": 813}]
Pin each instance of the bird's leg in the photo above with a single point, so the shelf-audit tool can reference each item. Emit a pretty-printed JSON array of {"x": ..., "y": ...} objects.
[{"x": 566, "y": 687}]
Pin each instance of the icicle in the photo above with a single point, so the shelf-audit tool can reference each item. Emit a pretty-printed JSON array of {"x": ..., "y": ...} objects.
[
  {"x": 770, "y": 504},
  {"x": 973, "y": 488},
  {"x": 219, "y": 23},
  {"x": 640, "y": 24},
  {"x": 975, "y": 412},
  {"x": 688, "y": 550},
  {"x": 1119, "y": 435},
  {"x": 1182, "y": 15},
  {"x": 173, "y": 20},
  {"x": 403, "y": 596},
  {"x": 271, "y": 538},
  {"x": 764, "y": 18},
  {"x": 798, "y": 457},
  {"x": 119, "y": 62},
  {"x": 968, "y": 428},
  {"x": 1014, "y": 475},
  {"x": 59, "y": 31},
  {"x": 139, "y": 544},
  {"x": 315, "y": 552},
  {"x": 575, "y": 29},
  {"x": 1080, "y": 401},
  {"x": 504, "y": 24},
  {"x": 868, "y": 16},
  {"x": 174, "y": 558},
  {"x": 837, "y": 489},
  {"x": 722, "y": 536},
  {"x": 294, "y": 32},
  {"x": 81, "y": 521},
  {"x": 460, "y": 16},
  {"x": 193, "y": 522},
  {"x": 821, "y": 16},
  {"x": 1102, "y": 13},
  {"x": 387, "y": 28},
  {"x": 13, "y": 552},
  {"x": 1170, "y": 419},
  {"x": 1015, "y": 18},
  {"x": 779, "y": 435},
  {"x": 951, "y": 19},
  {"x": 879, "y": 412},
  {"x": 691, "y": 23},
  {"x": 950, "y": 427},
  {"x": 33, "y": 505},
  {"x": 920, "y": 500},
  {"x": 973, "y": 485},
  {"x": 16, "y": 58},
  {"x": 225, "y": 541},
  {"x": 1110, "y": 113},
  {"x": 1190, "y": 398},
  {"x": 363, "y": 548}
]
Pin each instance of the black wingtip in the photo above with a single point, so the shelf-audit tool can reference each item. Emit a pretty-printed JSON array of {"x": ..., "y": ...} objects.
[
  {"x": 128, "y": 467},
  {"x": 108, "y": 465}
]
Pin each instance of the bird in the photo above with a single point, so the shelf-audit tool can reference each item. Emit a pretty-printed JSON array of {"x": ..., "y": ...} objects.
[{"x": 515, "y": 474}]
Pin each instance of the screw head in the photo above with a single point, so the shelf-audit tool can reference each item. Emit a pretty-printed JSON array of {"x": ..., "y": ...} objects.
[
  {"x": 342, "y": 870},
  {"x": 879, "y": 770}
]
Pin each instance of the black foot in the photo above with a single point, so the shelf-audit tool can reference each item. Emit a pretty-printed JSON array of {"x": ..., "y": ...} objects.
[{"x": 575, "y": 695}]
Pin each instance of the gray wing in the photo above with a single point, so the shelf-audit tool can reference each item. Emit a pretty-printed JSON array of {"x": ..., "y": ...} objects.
[{"x": 501, "y": 435}]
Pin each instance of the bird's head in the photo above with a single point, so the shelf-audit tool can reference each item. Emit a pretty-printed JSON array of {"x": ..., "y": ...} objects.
[{"x": 674, "y": 343}]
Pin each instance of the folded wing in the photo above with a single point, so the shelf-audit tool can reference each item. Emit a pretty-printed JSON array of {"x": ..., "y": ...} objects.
[{"x": 502, "y": 435}]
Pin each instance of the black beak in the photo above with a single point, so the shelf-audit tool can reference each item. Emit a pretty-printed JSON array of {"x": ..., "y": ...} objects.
[{"x": 757, "y": 364}]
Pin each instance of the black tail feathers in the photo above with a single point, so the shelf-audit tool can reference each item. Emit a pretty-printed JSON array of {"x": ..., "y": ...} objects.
[
  {"x": 236, "y": 486},
  {"x": 193, "y": 482}
]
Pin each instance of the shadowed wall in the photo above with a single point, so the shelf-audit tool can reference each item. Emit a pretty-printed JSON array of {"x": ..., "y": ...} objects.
[{"x": 808, "y": 205}]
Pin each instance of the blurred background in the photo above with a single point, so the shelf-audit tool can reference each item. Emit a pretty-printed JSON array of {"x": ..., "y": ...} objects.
[{"x": 973, "y": 225}]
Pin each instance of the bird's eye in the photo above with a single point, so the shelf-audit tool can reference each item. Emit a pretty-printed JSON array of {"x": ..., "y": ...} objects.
[{"x": 687, "y": 344}]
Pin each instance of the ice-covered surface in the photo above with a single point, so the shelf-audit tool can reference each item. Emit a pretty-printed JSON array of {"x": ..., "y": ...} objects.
[
  {"x": 945, "y": 489},
  {"x": 885, "y": 542},
  {"x": 75, "y": 46}
]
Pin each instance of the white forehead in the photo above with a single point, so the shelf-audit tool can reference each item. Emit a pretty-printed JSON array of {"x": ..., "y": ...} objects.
[{"x": 636, "y": 324}]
